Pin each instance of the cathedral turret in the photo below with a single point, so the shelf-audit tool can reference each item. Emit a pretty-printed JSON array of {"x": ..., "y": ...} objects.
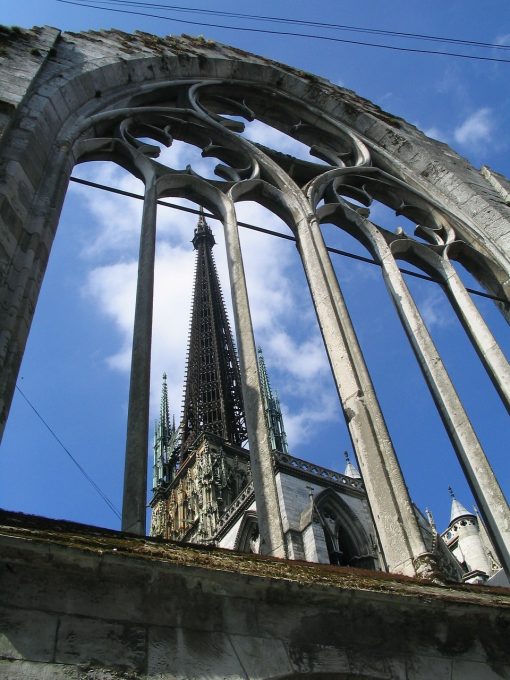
[
  {"x": 464, "y": 540},
  {"x": 272, "y": 409}
]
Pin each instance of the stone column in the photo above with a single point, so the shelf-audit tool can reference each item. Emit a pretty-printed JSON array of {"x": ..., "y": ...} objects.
[
  {"x": 480, "y": 335},
  {"x": 262, "y": 469},
  {"x": 484, "y": 485},
  {"x": 135, "y": 471},
  {"x": 393, "y": 512}
]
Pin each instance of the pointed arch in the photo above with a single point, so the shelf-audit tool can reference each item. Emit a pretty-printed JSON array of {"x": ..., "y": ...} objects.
[
  {"x": 248, "y": 533},
  {"x": 346, "y": 539}
]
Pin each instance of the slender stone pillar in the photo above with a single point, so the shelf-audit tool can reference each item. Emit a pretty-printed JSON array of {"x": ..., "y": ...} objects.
[
  {"x": 262, "y": 469},
  {"x": 484, "y": 485},
  {"x": 485, "y": 344},
  {"x": 394, "y": 516},
  {"x": 135, "y": 472}
]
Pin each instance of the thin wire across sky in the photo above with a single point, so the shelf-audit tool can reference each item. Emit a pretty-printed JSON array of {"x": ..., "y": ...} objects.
[{"x": 246, "y": 24}]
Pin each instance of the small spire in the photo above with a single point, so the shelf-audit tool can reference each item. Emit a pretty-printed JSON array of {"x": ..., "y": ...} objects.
[
  {"x": 273, "y": 411},
  {"x": 164, "y": 411},
  {"x": 350, "y": 469},
  {"x": 430, "y": 518},
  {"x": 162, "y": 436},
  {"x": 457, "y": 510}
]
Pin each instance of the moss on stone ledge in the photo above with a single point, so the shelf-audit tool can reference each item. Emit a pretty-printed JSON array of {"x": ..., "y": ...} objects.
[{"x": 103, "y": 541}]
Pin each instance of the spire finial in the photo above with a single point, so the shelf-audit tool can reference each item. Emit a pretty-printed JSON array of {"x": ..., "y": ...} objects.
[
  {"x": 450, "y": 491},
  {"x": 346, "y": 455}
]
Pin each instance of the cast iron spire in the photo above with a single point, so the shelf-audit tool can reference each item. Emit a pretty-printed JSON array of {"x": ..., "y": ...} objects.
[{"x": 212, "y": 397}]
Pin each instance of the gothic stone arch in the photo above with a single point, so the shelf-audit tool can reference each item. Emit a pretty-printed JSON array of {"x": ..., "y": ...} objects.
[
  {"x": 346, "y": 538},
  {"x": 91, "y": 95}
]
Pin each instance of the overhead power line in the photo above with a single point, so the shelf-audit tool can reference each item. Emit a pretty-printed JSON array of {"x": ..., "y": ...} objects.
[
  {"x": 270, "y": 232},
  {"x": 266, "y": 31},
  {"x": 301, "y": 22},
  {"x": 89, "y": 479}
]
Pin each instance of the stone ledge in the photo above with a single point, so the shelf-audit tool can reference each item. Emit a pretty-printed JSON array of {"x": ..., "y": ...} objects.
[{"x": 50, "y": 535}]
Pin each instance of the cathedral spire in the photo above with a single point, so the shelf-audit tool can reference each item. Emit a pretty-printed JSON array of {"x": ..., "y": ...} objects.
[
  {"x": 272, "y": 409},
  {"x": 164, "y": 411},
  {"x": 212, "y": 396},
  {"x": 163, "y": 435}
]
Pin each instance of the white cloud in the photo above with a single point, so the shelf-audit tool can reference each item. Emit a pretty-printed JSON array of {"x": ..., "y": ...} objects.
[
  {"x": 112, "y": 288},
  {"x": 268, "y": 136},
  {"x": 301, "y": 426},
  {"x": 306, "y": 360},
  {"x": 478, "y": 128},
  {"x": 435, "y": 309},
  {"x": 436, "y": 133},
  {"x": 383, "y": 99},
  {"x": 503, "y": 39}
]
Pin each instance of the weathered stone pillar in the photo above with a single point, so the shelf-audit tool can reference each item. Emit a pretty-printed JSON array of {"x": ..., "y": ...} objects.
[
  {"x": 486, "y": 346},
  {"x": 262, "y": 468},
  {"x": 402, "y": 543},
  {"x": 135, "y": 471},
  {"x": 482, "y": 481}
]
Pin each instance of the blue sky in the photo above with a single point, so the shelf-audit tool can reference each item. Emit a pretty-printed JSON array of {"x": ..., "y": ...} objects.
[{"x": 75, "y": 370}]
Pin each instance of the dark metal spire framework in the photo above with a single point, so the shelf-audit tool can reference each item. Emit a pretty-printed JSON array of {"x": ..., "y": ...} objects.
[
  {"x": 212, "y": 399},
  {"x": 272, "y": 409}
]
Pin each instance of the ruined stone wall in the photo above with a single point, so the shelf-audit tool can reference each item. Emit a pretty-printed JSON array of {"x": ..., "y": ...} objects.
[{"x": 81, "y": 603}]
